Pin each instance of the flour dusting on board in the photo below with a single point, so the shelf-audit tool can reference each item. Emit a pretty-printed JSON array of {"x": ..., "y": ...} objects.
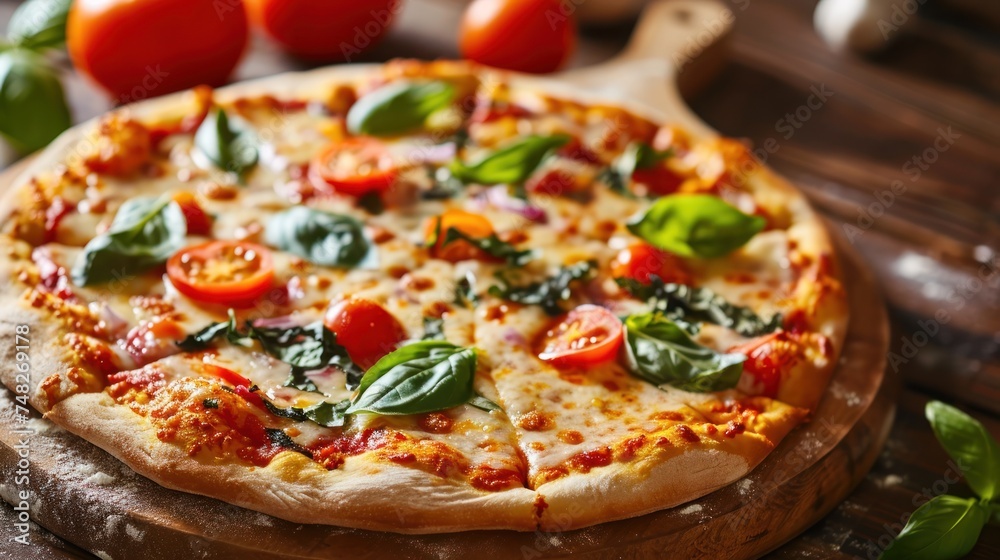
[
  {"x": 849, "y": 397},
  {"x": 693, "y": 508}
]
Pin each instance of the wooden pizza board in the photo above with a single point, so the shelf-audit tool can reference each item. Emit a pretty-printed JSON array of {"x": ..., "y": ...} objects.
[{"x": 88, "y": 497}]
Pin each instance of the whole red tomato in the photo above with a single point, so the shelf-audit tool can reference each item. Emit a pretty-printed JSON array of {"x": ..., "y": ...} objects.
[
  {"x": 536, "y": 36},
  {"x": 142, "y": 48},
  {"x": 324, "y": 29}
]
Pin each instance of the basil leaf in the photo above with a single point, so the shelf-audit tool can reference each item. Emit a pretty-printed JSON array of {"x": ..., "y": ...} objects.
[
  {"x": 311, "y": 346},
  {"x": 683, "y": 304},
  {"x": 144, "y": 233},
  {"x": 324, "y": 413},
  {"x": 33, "y": 107},
  {"x": 971, "y": 446},
  {"x": 305, "y": 348},
  {"x": 297, "y": 379},
  {"x": 425, "y": 376},
  {"x": 203, "y": 338},
  {"x": 491, "y": 245},
  {"x": 695, "y": 225},
  {"x": 482, "y": 403},
  {"x": 282, "y": 440},
  {"x": 511, "y": 165},
  {"x": 637, "y": 155},
  {"x": 229, "y": 144},
  {"x": 330, "y": 415},
  {"x": 661, "y": 352},
  {"x": 39, "y": 24},
  {"x": 398, "y": 107},
  {"x": 320, "y": 237},
  {"x": 210, "y": 403},
  {"x": 945, "y": 527},
  {"x": 615, "y": 182},
  {"x": 549, "y": 292},
  {"x": 465, "y": 291},
  {"x": 433, "y": 328}
]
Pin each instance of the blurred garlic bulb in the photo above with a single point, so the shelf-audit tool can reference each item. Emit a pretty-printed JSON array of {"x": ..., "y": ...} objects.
[{"x": 858, "y": 25}]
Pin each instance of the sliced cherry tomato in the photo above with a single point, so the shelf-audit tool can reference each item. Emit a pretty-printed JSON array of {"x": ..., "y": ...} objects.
[
  {"x": 554, "y": 182},
  {"x": 768, "y": 358},
  {"x": 355, "y": 166},
  {"x": 365, "y": 329},
  {"x": 198, "y": 221},
  {"x": 535, "y": 36},
  {"x": 640, "y": 261},
  {"x": 473, "y": 225},
  {"x": 228, "y": 272},
  {"x": 575, "y": 150},
  {"x": 227, "y": 375},
  {"x": 588, "y": 335},
  {"x": 658, "y": 180}
]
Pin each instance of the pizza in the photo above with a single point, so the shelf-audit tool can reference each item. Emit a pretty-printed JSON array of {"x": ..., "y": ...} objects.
[{"x": 417, "y": 297}]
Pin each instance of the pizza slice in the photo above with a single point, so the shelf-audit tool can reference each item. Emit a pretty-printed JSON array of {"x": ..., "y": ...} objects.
[
  {"x": 601, "y": 443},
  {"x": 236, "y": 421}
]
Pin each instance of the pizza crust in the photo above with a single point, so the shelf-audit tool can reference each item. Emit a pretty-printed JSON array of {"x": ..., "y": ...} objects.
[
  {"x": 359, "y": 494},
  {"x": 48, "y": 355},
  {"x": 383, "y": 496},
  {"x": 621, "y": 491}
]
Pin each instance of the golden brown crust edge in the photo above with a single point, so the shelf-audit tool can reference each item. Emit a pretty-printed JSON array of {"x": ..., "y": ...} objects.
[
  {"x": 294, "y": 488},
  {"x": 48, "y": 354}
]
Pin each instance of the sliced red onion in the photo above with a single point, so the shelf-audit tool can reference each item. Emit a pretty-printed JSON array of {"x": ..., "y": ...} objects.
[
  {"x": 432, "y": 153},
  {"x": 111, "y": 322},
  {"x": 285, "y": 322},
  {"x": 513, "y": 337},
  {"x": 500, "y": 198}
]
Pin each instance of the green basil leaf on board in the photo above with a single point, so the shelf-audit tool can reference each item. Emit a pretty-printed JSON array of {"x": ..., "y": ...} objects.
[
  {"x": 684, "y": 304},
  {"x": 144, "y": 233},
  {"x": 398, "y": 107},
  {"x": 33, "y": 108},
  {"x": 320, "y": 237},
  {"x": 695, "y": 225},
  {"x": 511, "y": 165},
  {"x": 491, "y": 245},
  {"x": 945, "y": 527},
  {"x": 425, "y": 376},
  {"x": 662, "y": 353},
  {"x": 39, "y": 24},
  {"x": 971, "y": 446},
  {"x": 229, "y": 144},
  {"x": 547, "y": 293}
]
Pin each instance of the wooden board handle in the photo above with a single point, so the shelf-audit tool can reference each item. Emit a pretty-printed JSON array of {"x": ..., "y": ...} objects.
[{"x": 677, "y": 47}]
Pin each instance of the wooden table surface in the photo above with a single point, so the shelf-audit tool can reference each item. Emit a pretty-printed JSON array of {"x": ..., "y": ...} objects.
[{"x": 934, "y": 245}]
